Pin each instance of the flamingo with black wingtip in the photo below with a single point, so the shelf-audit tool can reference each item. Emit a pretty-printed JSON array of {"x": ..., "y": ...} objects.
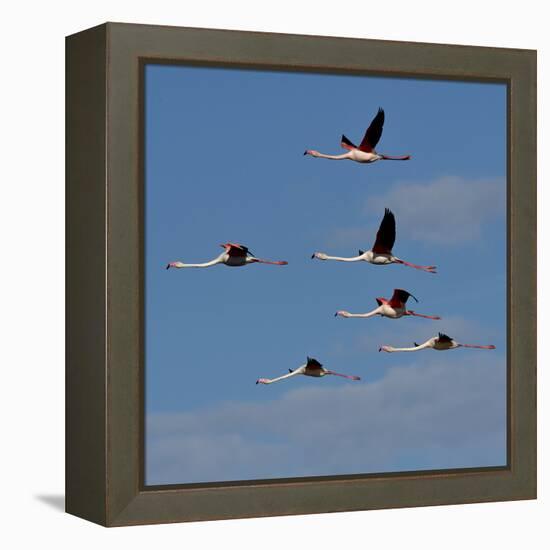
[
  {"x": 365, "y": 152},
  {"x": 381, "y": 252},
  {"x": 394, "y": 308},
  {"x": 441, "y": 342},
  {"x": 311, "y": 368},
  {"x": 234, "y": 255}
]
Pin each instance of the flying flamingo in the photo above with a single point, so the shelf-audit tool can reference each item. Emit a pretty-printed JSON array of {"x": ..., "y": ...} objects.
[
  {"x": 441, "y": 342},
  {"x": 365, "y": 153},
  {"x": 234, "y": 255},
  {"x": 381, "y": 253},
  {"x": 311, "y": 368},
  {"x": 395, "y": 308}
]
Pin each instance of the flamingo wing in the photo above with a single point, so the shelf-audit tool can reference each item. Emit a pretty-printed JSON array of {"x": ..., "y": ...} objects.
[
  {"x": 373, "y": 133},
  {"x": 313, "y": 363},
  {"x": 236, "y": 250},
  {"x": 385, "y": 237},
  {"x": 399, "y": 297},
  {"x": 381, "y": 301},
  {"x": 444, "y": 339},
  {"x": 345, "y": 143}
]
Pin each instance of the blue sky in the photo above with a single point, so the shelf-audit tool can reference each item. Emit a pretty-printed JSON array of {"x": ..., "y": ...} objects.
[{"x": 224, "y": 163}]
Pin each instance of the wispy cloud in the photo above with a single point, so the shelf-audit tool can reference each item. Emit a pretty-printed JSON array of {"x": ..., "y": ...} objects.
[
  {"x": 434, "y": 412},
  {"x": 447, "y": 210}
]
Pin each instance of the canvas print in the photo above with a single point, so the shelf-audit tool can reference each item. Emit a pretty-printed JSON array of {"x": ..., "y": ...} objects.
[{"x": 284, "y": 291}]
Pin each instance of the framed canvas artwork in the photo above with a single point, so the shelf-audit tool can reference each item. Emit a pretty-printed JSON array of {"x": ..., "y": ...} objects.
[{"x": 301, "y": 274}]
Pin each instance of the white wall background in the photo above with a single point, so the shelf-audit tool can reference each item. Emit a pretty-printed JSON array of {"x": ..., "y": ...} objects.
[{"x": 32, "y": 289}]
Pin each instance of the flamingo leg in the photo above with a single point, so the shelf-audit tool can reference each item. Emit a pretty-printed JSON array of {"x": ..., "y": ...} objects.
[
  {"x": 388, "y": 157},
  {"x": 477, "y": 347},
  {"x": 427, "y": 268},
  {"x": 434, "y": 317},
  {"x": 260, "y": 261},
  {"x": 343, "y": 375}
]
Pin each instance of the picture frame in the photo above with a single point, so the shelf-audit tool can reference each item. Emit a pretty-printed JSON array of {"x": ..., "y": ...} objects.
[{"x": 105, "y": 274}]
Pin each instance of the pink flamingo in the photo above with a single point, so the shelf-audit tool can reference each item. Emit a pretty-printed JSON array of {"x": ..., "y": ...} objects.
[
  {"x": 311, "y": 368},
  {"x": 365, "y": 153},
  {"x": 234, "y": 255},
  {"x": 395, "y": 308},
  {"x": 381, "y": 253},
  {"x": 441, "y": 342}
]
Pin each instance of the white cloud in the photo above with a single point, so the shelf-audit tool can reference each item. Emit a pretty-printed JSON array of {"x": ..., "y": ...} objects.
[
  {"x": 435, "y": 412},
  {"x": 447, "y": 210}
]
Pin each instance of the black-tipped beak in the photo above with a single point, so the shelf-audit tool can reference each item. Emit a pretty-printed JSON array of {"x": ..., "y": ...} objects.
[
  {"x": 379, "y": 350},
  {"x": 305, "y": 152},
  {"x": 336, "y": 314},
  {"x": 313, "y": 256},
  {"x": 168, "y": 266}
]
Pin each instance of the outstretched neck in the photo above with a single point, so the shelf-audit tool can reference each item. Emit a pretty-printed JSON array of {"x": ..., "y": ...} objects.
[
  {"x": 344, "y": 156},
  {"x": 316, "y": 154},
  {"x": 348, "y": 315},
  {"x": 181, "y": 265},
  {"x": 341, "y": 259},
  {"x": 390, "y": 349}
]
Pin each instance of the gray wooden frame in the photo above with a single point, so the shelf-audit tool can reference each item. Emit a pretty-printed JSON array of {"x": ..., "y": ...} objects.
[{"x": 104, "y": 382}]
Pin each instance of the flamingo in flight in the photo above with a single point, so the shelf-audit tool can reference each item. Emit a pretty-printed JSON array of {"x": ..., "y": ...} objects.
[
  {"x": 394, "y": 308},
  {"x": 365, "y": 153},
  {"x": 381, "y": 252},
  {"x": 441, "y": 342},
  {"x": 234, "y": 255},
  {"x": 311, "y": 368}
]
